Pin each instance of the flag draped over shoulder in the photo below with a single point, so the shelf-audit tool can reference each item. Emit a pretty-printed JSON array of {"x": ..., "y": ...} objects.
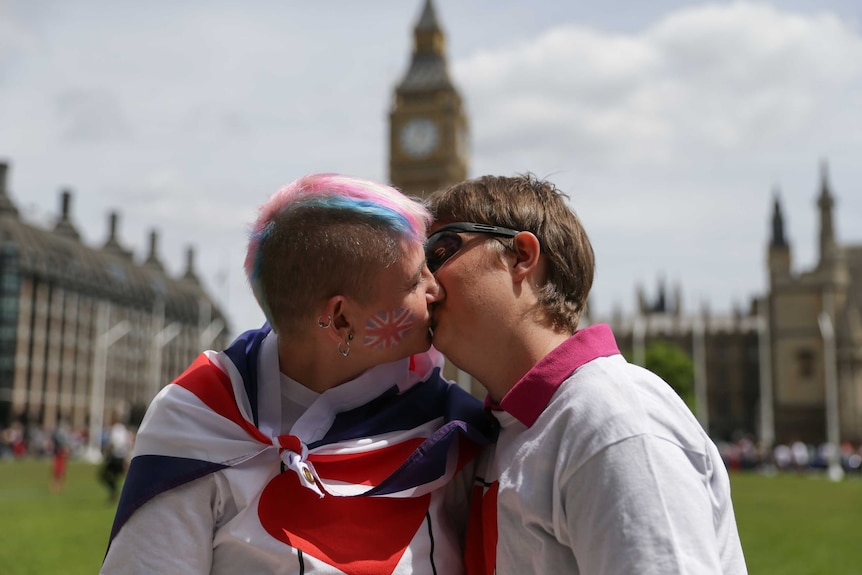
[{"x": 401, "y": 444}]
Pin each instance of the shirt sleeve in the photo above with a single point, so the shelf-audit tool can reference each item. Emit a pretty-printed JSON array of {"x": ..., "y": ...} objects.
[
  {"x": 171, "y": 533},
  {"x": 641, "y": 506}
]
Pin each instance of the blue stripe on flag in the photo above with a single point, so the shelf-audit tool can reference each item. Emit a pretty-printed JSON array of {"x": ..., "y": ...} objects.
[
  {"x": 463, "y": 414},
  {"x": 243, "y": 353}
]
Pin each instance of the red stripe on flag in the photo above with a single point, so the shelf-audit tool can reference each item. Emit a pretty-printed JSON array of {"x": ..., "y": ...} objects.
[
  {"x": 366, "y": 468},
  {"x": 213, "y": 387}
]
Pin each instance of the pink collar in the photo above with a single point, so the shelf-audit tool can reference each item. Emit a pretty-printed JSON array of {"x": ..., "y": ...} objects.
[{"x": 529, "y": 397}]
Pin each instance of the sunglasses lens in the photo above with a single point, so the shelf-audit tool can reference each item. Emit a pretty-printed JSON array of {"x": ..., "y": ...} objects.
[{"x": 440, "y": 248}]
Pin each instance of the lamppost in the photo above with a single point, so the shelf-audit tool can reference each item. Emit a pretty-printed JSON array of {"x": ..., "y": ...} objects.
[
  {"x": 701, "y": 402},
  {"x": 209, "y": 329},
  {"x": 162, "y": 336},
  {"x": 767, "y": 414},
  {"x": 106, "y": 336},
  {"x": 830, "y": 360}
]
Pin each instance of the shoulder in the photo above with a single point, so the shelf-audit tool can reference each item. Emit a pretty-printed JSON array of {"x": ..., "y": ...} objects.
[{"x": 609, "y": 400}]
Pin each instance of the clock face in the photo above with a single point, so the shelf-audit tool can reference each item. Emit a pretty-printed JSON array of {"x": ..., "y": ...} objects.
[{"x": 419, "y": 137}]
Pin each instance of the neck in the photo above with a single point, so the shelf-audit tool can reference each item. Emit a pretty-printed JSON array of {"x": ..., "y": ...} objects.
[
  {"x": 317, "y": 364},
  {"x": 511, "y": 360}
]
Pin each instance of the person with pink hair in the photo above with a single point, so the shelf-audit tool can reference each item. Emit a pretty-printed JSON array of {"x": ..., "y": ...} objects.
[{"x": 326, "y": 441}]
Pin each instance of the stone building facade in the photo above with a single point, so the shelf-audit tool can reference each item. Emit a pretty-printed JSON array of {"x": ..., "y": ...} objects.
[
  {"x": 815, "y": 326},
  {"x": 790, "y": 367},
  {"x": 725, "y": 350},
  {"x": 89, "y": 333}
]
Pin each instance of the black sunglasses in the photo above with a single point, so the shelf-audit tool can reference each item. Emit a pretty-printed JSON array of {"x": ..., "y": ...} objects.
[{"x": 445, "y": 242}]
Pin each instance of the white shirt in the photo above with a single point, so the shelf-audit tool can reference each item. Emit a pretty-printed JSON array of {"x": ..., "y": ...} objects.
[{"x": 606, "y": 471}]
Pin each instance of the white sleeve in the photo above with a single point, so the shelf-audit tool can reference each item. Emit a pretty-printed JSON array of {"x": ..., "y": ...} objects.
[
  {"x": 171, "y": 533},
  {"x": 641, "y": 506}
]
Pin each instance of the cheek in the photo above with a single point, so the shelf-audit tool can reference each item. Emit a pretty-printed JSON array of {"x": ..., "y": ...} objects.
[
  {"x": 386, "y": 329},
  {"x": 474, "y": 294}
]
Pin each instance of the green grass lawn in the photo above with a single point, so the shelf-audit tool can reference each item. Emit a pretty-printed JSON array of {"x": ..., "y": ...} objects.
[
  {"x": 799, "y": 525},
  {"x": 41, "y": 532},
  {"x": 789, "y": 525}
]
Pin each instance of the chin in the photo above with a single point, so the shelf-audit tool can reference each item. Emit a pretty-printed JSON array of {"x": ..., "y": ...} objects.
[{"x": 440, "y": 344}]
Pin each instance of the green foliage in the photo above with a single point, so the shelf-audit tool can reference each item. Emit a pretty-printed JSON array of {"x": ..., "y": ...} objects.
[
  {"x": 789, "y": 524},
  {"x": 674, "y": 366}
]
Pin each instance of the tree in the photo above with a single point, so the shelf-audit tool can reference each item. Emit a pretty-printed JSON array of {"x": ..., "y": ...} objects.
[{"x": 673, "y": 365}]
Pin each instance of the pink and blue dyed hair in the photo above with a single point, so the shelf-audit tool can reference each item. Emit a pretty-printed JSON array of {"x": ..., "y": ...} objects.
[{"x": 405, "y": 216}]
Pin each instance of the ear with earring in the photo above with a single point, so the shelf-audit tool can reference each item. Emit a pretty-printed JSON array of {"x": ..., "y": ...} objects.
[{"x": 345, "y": 352}]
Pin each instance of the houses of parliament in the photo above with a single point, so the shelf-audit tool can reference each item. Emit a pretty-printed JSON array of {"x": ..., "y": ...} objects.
[{"x": 85, "y": 328}]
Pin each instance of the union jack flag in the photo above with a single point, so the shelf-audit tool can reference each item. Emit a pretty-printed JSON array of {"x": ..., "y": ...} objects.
[
  {"x": 379, "y": 460},
  {"x": 388, "y": 328}
]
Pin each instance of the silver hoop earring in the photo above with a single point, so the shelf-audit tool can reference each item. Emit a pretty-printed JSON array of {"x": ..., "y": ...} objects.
[
  {"x": 324, "y": 325},
  {"x": 345, "y": 352}
]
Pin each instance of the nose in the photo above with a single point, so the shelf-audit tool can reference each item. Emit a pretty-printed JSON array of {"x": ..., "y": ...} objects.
[{"x": 434, "y": 292}]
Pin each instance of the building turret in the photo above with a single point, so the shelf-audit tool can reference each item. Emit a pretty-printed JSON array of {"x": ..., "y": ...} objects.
[
  {"x": 825, "y": 203},
  {"x": 779, "y": 249},
  {"x": 64, "y": 225},
  {"x": 190, "y": 266},
  {"x": 153, "y": 258},
  {"x": 428, "y": 136},
  {"x": 112, "y": 245},
  {"x": 429, "y": 39},
  {"x": 6, "y": 205}
]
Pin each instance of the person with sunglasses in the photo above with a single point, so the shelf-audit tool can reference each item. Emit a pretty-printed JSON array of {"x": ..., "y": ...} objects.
[
  {"x": 326, "y": 441},
  {"x": 599, "y": 467}
]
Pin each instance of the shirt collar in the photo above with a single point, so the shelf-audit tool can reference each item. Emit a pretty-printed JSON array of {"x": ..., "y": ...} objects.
[{"x": 529, "y": 397}]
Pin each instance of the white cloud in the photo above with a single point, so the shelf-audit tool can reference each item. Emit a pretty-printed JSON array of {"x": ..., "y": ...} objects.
[
  {"x": 670, "y": 139},
  {"x": 669, "y": 136},
  {"x": 705, "y": 80},
  {"x": 87, "y": 116},
  {"x": 15, "y": 37}
]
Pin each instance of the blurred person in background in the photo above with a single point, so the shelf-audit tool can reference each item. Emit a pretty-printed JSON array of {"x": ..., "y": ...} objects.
[
  {"x": 117, "y": 450},
  {"x": 61, "y": 448}
]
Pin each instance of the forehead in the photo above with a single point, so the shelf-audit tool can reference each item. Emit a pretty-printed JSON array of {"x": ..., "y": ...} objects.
[{"x": 401, "y": 274}]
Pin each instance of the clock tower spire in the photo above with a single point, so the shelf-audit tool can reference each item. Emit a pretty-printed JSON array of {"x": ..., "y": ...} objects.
[{"x": 427, "y": 126}]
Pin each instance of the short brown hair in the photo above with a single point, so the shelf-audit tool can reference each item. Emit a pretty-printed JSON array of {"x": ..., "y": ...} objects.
[
  {"x": 526, "y": 203},
  {"x": 324, "y": 235}
]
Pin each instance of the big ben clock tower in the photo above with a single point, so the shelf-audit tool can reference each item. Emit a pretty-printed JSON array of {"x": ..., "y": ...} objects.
[{"x": 428, "y": 136}]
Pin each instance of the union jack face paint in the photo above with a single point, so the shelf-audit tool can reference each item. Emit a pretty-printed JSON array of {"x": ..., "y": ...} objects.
[{"x": 386, "y": 329}]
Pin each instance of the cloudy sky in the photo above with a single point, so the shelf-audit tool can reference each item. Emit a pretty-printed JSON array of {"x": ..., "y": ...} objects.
[{"x": 670, "y": 124}]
